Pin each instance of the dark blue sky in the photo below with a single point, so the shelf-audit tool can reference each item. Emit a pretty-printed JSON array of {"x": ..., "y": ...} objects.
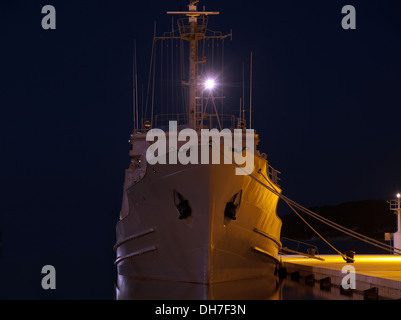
[{"x": 326, "y": 105}]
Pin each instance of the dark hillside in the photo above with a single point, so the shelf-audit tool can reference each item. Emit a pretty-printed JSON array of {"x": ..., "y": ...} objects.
[{"x": 371, "y": 218}]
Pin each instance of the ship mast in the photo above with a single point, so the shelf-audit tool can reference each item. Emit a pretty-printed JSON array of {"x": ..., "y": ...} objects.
[{"x": 193, "y": 29}]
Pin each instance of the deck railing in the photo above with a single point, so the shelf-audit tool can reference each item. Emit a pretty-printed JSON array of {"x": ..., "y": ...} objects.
[{"x": 204, "y": 121}]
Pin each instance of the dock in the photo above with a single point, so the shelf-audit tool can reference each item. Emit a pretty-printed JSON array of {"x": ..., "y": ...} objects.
[{"x": 376, "y": 276}]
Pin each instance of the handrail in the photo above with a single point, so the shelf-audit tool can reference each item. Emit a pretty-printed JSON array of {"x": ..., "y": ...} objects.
[
  {"x": 303, "y": 254},
  {"x": 134, "y": 236},
  {"x": 207, "y": 120},
  {"x": 278, "y": 243},
  {"x": 273, "y": 174},
  {"x": 394, "y": 205},
  {"x": 134, "y": 254},
  {"x": 300, "y": 242}
]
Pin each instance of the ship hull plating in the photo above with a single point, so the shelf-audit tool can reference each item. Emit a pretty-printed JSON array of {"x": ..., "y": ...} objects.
[{"x": 207, "y": 246}]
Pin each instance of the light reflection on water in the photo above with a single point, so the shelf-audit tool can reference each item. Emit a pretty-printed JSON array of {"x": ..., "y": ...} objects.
[
  {"x": 271, "y": 288},
  {"x": 249, "y": 289}
]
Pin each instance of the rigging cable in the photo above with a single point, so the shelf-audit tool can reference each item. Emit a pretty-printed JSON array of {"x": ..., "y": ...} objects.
[
  {"x": 314, "y": 230},
  {"x": 150, "y": 70},
  {"x": 332, "y": 224},
  {"x": 326, "y": 221},
  {"x": 222, "y": 76},
  {"x": 153, "y": 87},
  {"x": 161, "y": 76},
  {"x": 347, "y": 231}
]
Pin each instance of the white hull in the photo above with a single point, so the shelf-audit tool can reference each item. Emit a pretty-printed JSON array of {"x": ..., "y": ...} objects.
[{"x": 207, "y": 247}]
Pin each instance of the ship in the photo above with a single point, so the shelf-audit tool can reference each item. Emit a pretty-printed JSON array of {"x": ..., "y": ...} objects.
[{"x": 197, "y": 221}]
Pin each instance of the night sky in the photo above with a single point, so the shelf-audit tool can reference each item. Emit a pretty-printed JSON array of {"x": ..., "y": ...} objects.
[{"x": 326, "y": 104}]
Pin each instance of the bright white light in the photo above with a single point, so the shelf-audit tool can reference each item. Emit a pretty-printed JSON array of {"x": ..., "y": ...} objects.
[
  {"x": 398, "y": 195},
  {"x": 210, "y": 84}
]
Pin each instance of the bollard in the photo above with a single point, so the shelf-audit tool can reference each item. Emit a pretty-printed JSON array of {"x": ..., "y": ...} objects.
[{"x": 325, "y": 284}]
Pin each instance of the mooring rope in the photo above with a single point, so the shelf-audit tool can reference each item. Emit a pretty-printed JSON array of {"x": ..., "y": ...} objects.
[
  {"x": 349, "y": 232},
  {"x": 324, "y": 220},
  {"x": 313, "y": 229},
  {"x": 328, "y": 222}
]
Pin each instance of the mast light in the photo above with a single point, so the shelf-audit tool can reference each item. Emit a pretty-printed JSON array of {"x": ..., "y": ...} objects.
[{"x": 210, "y": 84}]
